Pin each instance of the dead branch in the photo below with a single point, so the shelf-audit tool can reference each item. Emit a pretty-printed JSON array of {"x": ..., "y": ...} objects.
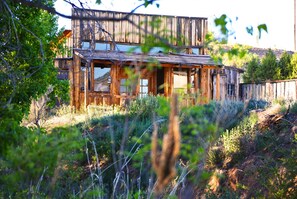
[{"x": 164, "y": 161}]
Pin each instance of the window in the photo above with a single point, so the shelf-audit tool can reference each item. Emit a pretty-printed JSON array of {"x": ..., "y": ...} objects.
[
  {"x": 231, "y": 89},
  {"x": 195, "y": 51},
  {"x": 102, "y": 79},
  {"x": 127, "y": 48},
  {"x": 124, "y": 86},
  {"x": 102, "y": 46},
  {"x": 136, "y": 48},
  {"x": 85, "y": 45},
  {"x": 143, "y": 87},
  {"x": 180, "y": 82}
]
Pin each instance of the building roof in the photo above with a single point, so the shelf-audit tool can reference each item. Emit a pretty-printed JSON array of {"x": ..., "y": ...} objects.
[
  {"x": 240, "y": 70},
  {"x": 162, "y": 58}
]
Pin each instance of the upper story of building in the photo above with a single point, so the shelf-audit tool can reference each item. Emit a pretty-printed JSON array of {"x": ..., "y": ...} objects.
[{"x": 110, "y": 30}]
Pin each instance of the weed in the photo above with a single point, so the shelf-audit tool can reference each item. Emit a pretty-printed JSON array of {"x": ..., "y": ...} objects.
[{"x": 294, "y": 108}]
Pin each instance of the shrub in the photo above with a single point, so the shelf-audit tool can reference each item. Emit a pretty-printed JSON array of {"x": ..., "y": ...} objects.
[
  {"x": 29, "y": 167},
  {"x": 215, "y": 157},
  {"x": 234, "y": 140},
  {"x": 256, "y": 104},
  {"x": 144, "y": 106},
  {"x": 294, "y": 108}
]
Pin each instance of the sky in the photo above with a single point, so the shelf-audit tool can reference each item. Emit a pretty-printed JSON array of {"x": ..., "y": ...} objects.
[{"x": 278, "y": 15}]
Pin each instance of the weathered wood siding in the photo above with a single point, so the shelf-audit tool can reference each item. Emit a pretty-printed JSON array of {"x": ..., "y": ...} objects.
[
  {"x": 228, "y": 87},
  {"x": 190, "y": 31},
  {"x": 269, "y": 91}
]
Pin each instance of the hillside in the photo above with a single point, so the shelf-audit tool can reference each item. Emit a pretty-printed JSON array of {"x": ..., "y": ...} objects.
[
  {"x": 228, "y": 150},
  {"x": 265, "y": 163}
]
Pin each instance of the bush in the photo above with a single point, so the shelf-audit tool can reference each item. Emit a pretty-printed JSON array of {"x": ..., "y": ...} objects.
[
  {"x": 256, "y": 104},
  {"x": 294, "y": 108},
  {"x": 29, "y": 167},
  {"x": 144, "y": 106}
]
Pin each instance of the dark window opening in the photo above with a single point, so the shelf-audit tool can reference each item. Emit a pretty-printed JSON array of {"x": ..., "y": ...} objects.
[{"x": 231, "y": 89}]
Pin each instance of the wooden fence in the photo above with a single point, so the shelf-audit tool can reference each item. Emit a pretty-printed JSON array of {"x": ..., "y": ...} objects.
[{"x": 269, "y": 91}]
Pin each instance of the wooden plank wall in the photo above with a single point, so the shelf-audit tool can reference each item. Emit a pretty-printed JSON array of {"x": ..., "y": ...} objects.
[
  {"x": 227, "y": 76},
  {"x": 190, "y": 30},
  {"x": 269, "y": 91}
]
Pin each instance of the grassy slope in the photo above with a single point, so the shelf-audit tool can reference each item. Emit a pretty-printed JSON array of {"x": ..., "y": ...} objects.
[
  {"x": 265, "y": 164},
  {"x": 262, "y": 162}
]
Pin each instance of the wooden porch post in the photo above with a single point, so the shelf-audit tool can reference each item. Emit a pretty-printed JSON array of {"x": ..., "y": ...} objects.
[
  {"x": 76, "y": 80},
  {"x": 166, "y": 82},
  {"x": 92, "y": 76},
  {"x": 115, "y": 84},
  {"x": 71, "y": 83},
  {"x": 218, "y": 85},
  {"x": 196, "y": 87},
  {"x": 189, "y": 83},
  {"x": 205, "y": 85},
  {"x": 86, "y": 86}
]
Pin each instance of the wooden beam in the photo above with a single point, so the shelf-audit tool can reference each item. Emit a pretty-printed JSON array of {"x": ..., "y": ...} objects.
[
  {"x": 205, "y": 89},
  {"x": 211, "y": 67},
  {"x": 71, "y": 83},
  {"x": 166, "y": 82},
  {"x": 196, "y": 81},
  {"x": 189, "y": 83},
  {"x": 76, "y": 80},
  {"x": 218, "y": 86},
  {"x": 86, "y": 86},
  {"x": 92, "y": 76},
  {"x": 171, "y": 80}
]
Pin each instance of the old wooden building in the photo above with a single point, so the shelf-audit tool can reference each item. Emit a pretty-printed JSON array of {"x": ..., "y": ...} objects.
[{"x": 110, "y": 62}]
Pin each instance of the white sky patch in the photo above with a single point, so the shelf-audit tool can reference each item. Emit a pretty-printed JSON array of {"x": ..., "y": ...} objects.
[{"x": 278, "y": 15}]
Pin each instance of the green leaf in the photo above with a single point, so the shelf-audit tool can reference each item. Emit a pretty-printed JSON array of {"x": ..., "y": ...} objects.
[
  {"x": 221, "y": 21},
  {"x": 250, "y": 30},
  {"x": 98, "y": 1},
  {"x": 262, "y": 27}
]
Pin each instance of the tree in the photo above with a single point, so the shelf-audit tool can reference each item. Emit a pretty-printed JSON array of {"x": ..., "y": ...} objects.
[
  {"x": 292, "y": 70},
  {"x": 28, "y": 37},
  {"x": 285, "y": 66},
  {"x": 251, "y": 74},
  {"x": 268, "y": 69}
]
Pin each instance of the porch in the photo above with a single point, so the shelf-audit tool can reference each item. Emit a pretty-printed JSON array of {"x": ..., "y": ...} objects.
[{"x": 112, "y": 77}]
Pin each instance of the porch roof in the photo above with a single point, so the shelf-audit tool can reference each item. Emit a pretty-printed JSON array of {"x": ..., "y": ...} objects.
[{"x": 170, "y": 58}]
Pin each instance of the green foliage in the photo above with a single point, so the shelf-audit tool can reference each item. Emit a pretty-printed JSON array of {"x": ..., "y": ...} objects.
[
  {"x": 262, "y": 27},
  {"x": 60, "y": 93},
  {"x": 221, "y": 21},
  {"x": 215, "y": 157},
  {"x": 144, "y": 106},
  {"x": 251, "y": 74},
  {"x": 293, "y": 67},
  {"x": 234, "y": 140},
  {"x": 28, "y": 156},
  {"x": 226, "y": 193},
  {"x": 294, "y": 108},
  {"x": 235, "y": 55},
  {"x": 198, "y": 130},
  {"x": 37, "y": 156},
  {"x": 269, "y": 68},
  {"x": 256, "y": 104},
  {"x": 285, "y": 65},
  {"x": 27, "y": 55}
]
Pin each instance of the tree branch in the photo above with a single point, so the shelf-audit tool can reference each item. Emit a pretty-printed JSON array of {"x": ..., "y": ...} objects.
[{"x": 40, "y": 5}]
